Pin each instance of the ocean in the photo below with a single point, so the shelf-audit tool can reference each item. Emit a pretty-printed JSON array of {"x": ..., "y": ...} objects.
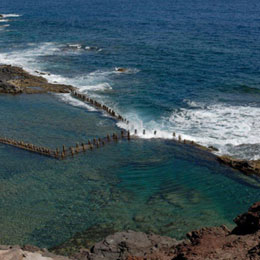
[{"x": 190, "y": 67}]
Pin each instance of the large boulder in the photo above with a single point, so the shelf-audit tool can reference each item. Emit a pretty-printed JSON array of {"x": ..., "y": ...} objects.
[
  {"x": 248, "y": 222},
  {"x": 122, "y": 245}
]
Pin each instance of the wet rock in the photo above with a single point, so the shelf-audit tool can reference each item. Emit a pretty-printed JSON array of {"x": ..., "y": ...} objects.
[
  {"x": 245, "y": 166},
  {"x": 212, "y": 148},
  {"x": 120, "y": 69}
]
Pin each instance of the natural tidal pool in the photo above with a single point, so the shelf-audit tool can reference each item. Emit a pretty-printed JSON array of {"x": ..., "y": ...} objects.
[{"x": 150, "y": 185}]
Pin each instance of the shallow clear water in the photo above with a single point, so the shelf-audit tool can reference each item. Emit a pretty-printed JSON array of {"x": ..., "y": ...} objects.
[
  {"x": 191, "y": 67},
  {"x": 149, "y": 185}
]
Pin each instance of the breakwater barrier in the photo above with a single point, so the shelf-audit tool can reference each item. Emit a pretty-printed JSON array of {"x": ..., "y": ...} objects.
[
  {"x": 95, "y": 143},
  {"x": 99, "y": 106},
  {"x": 65, "y": 151}
]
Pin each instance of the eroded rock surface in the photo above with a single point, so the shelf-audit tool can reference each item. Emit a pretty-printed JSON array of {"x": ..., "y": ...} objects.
[
  {"x": 127, "y": 244},
  {"x": 15, "y": 80}
]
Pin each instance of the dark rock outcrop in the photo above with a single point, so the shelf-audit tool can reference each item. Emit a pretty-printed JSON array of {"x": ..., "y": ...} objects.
[
  {"x": 123, "y": 245},
  {"x": 248, "y": 222},
  {"x": 15, "y": 80}
]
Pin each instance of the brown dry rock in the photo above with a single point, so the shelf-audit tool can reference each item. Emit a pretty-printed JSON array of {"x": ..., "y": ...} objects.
[
  {"x": 127, "y": 244},
  {"x": 248, "y": 222}
]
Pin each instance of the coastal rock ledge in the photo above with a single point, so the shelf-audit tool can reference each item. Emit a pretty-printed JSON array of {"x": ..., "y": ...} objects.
[
  {"x": 15, "y": 80},
  {"x": 243, "y": 242}
]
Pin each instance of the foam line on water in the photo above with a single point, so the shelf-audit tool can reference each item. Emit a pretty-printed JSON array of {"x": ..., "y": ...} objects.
[
  {"x": 10, "y": 15},
  {"x": 223, "y": 126},
  {"x": 67, "y": 98}
]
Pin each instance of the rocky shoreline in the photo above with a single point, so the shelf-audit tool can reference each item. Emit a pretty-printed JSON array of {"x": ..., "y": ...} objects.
[
  {"x": 15, "y": 80},
  {"x": 243, "y": 242}
]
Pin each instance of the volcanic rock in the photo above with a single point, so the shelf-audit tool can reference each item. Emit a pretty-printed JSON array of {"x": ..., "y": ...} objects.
[
  {"x": 248, "y": 222},
  {"x": 15, "y": 80}
]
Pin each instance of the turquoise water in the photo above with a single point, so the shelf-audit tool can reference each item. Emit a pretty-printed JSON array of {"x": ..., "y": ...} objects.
[
  {"x": 149, "y": 185},
  {"x": 191, "y": 67}
]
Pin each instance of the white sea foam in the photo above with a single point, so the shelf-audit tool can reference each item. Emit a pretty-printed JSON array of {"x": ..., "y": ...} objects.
[
  {"x": 28, "y": 58},
  {"x": 221, "y": 125},
  {"x": 234, "y": 130},
  {"x": 4, "y": 20},
  {"x": 224, "y": 126},
  {"x": 75, "y": 46},
  {"x": 5, "y": 25},
  {"x": 10, "y": 15},
  {"x": 67, "y": 98},
  {"x": 99, "y": 87}
]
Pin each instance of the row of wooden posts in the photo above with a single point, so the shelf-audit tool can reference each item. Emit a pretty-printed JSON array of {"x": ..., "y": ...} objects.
[
  {"x": 98, "y": 105},
  {"x": 111, "y": 112},
  {"x": 90, "y": 145},
  {"x": 61, "y": 154}
]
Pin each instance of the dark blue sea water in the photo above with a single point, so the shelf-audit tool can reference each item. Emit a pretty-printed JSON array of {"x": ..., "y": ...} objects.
[{"x": 191, "y": 67}]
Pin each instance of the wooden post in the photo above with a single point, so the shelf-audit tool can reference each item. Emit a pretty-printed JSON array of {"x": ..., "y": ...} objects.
[
  {"x": 72, "y": 151},
  {"x": 77, "y": 148}
]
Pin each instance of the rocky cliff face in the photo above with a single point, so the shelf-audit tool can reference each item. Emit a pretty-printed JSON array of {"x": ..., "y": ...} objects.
[{"x": 243, "y": 242}]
